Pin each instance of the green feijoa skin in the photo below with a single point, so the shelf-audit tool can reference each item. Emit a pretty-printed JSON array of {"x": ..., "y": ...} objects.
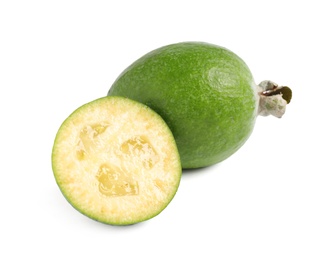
[{"x": 204, "y": 92}]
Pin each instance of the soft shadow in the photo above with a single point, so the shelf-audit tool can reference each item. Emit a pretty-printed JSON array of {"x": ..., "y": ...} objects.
[
  {"x": 120, "y": 228},
  {"x": 186, "y": 173}
]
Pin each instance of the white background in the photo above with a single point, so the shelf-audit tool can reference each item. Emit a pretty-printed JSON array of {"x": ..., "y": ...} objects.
[{"x": 264, "y": 202}]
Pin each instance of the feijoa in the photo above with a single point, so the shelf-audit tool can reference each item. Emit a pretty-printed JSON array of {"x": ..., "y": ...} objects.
[
  {"x": 116, "y": 161},
  {"x": 204, "y": 92}
]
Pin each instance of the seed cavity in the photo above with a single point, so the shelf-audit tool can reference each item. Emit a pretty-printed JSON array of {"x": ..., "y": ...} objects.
[
  {"x": 88, "y": 139},
  {"x": 160, "y": 184},
  {"x": 113, "y": 182},
  {"x": 140, "y": 148}
]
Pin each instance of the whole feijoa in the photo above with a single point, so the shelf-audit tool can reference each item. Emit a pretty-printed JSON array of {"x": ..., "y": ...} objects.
[{"x": 204, "y": 92}]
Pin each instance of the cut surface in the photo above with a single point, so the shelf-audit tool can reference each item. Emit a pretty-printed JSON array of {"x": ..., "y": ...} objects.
[{"x": 116, "y": 161}]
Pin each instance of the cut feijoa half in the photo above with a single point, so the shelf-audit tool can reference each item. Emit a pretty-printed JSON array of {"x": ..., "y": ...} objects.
[{"x": 116, "y": 161}]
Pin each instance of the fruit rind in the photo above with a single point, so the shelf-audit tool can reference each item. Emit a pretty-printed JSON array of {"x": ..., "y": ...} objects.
[{"x": 204, "y": 92}]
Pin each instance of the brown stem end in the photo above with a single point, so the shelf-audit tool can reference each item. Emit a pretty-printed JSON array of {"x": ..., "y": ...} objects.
[{"x": 273, "y": 99}]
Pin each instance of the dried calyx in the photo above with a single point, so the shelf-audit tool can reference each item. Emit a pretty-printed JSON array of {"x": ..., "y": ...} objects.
[{"x": 273, "y": 98}]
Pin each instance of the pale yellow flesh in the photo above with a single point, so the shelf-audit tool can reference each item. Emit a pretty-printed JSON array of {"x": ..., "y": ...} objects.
[{"x": 116, "y": 161}]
